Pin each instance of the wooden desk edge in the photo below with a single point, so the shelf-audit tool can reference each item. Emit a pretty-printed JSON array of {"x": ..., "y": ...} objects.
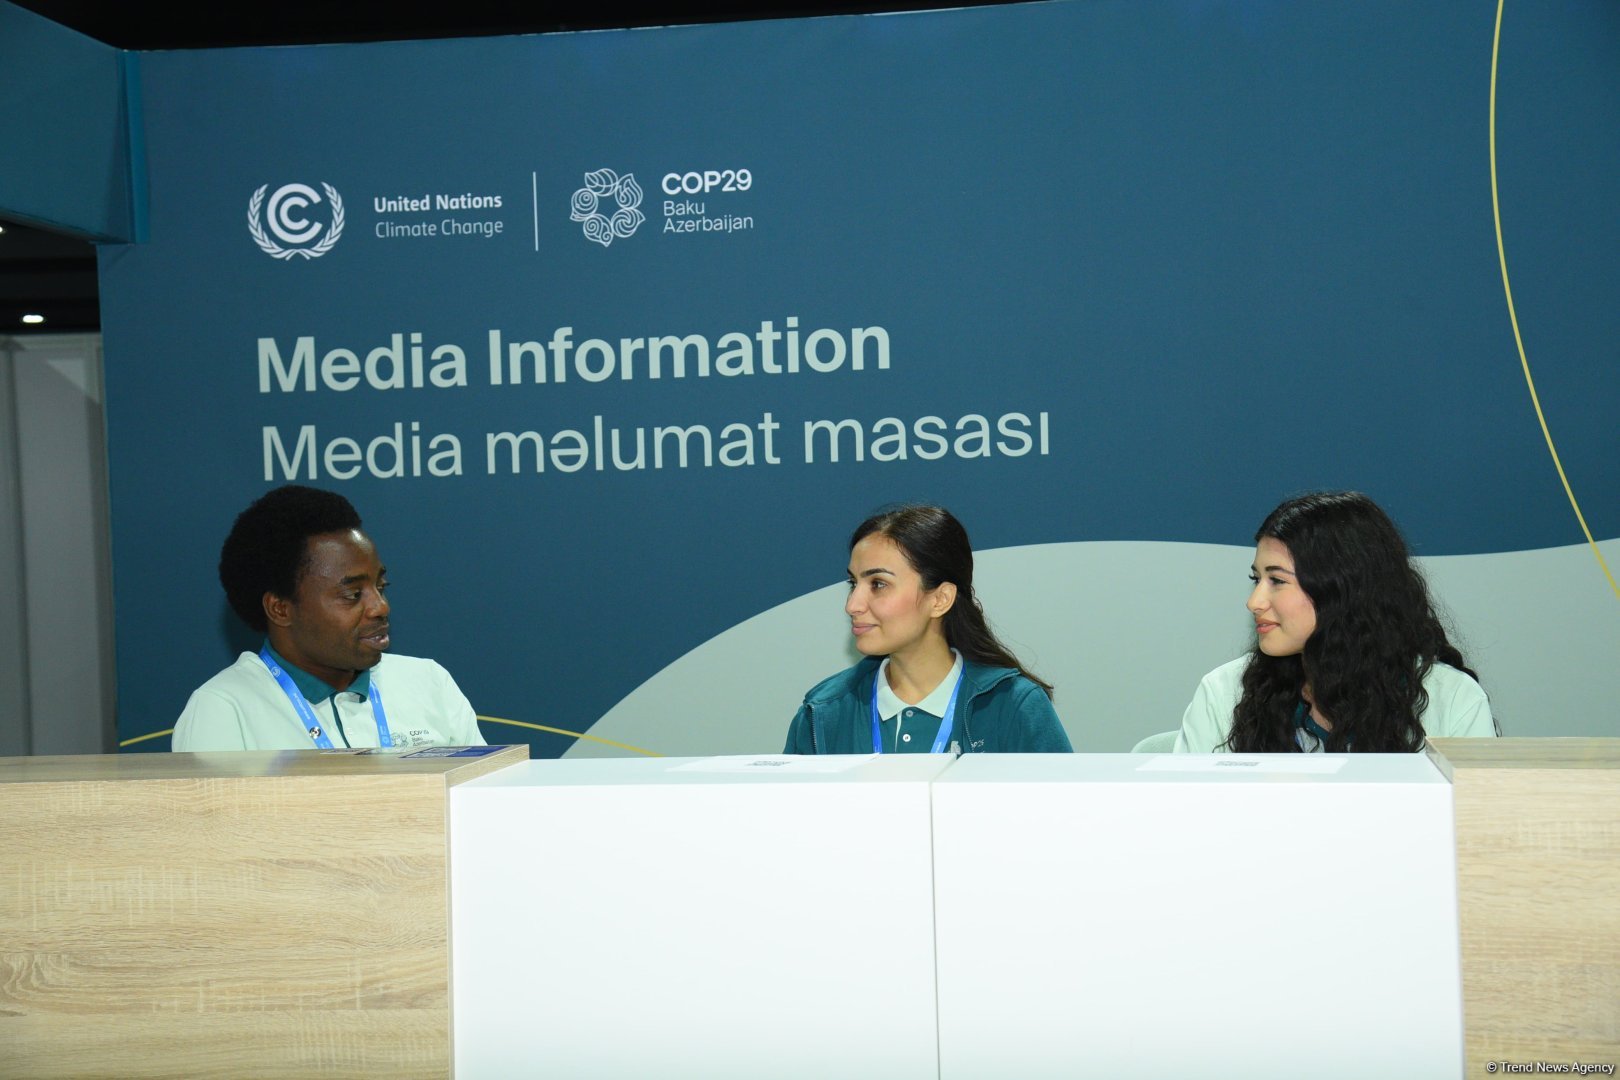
[
  {"x": 248, "y": 764},
  {"x": 1540, "y": 753}
]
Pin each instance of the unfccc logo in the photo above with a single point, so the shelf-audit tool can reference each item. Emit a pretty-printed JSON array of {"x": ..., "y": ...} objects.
[
  {"x": 285, "y": 217},
  {"x": 584, "y": 207}
]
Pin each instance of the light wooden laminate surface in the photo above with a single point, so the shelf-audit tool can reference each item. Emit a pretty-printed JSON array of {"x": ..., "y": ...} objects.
[
  {"x": 1538, "y": 873},
  {"x": 227, "y": 915}
]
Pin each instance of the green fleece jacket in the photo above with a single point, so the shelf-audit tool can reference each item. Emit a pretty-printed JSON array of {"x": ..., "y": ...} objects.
[{"x": 998, "y": 711}]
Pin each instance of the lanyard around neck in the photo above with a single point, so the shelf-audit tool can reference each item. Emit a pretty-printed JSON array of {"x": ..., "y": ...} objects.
[
  {"x": 312, "y": 725},
  {"x": 942, "y": 739},
  {"x": 1305, "y": 724}
]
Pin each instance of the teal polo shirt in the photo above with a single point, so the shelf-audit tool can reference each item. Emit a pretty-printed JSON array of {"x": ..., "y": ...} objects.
[
  {"x": 318, "y": 692},
  {"x": 912, "y": 729}
]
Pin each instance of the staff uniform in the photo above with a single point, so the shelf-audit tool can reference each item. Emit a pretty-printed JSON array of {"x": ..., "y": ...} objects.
[
  {"x": 998, "y": 710},
  {"x": 1457, "y": 708},
  {"x": 244, "y": 708}
]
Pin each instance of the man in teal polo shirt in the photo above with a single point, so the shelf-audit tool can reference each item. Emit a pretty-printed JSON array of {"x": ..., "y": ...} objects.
[{"x": 298, "y": 568}]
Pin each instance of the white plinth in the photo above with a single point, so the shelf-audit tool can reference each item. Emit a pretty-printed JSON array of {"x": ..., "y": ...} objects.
[
  {"x": 626, "y": 918},
  {"x": 1097, "y": 917}
]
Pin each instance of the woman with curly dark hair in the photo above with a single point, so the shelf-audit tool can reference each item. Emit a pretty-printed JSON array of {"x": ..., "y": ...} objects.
[{"x": 1349, "y": 654}]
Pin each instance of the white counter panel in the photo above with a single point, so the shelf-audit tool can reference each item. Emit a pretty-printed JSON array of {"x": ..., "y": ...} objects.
[
  {"x": 637, "y": 918},
  {"x": 1127, "y": 915}
]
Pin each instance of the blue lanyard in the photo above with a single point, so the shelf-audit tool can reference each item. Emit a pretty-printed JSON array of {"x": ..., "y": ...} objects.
[
  {"x": 311, "y": 724},
  {"x": 940, "y": 740}
]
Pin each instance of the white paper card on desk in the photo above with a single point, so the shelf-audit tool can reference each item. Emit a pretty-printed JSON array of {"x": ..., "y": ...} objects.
[
  {"x": 779, "y": 763},
  {"x": 1235, "y": 763}
]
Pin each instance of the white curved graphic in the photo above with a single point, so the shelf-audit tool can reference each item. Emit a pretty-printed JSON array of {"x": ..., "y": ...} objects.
[
  {"x": 585, "y": 206},
  {"x": 1125, "y": 630},
  {"x": 285, "y": 217}
]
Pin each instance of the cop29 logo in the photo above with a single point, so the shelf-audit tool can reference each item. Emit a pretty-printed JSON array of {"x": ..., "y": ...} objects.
[
  {"x": 586, "y": 206},
  {"x": 284, "y": 214}
]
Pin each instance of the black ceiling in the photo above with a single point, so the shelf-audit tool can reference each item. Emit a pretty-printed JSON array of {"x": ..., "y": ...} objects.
[
  {"x": 54, "y": 276},
  {"x": 49, "y": 275},
  {"x": 131, "y": 25}
]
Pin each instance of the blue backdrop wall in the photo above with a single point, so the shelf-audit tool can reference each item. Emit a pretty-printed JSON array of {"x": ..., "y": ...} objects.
[
  {"x": 65, "y": 123},
  {"x": 612, "y": 337}
]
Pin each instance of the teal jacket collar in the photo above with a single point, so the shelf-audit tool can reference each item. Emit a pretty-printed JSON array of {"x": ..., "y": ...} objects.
[
  {"x": 976, "y": 680},
  {"x": 316, "y": 690},
  {"x": 998, "y": 711}
]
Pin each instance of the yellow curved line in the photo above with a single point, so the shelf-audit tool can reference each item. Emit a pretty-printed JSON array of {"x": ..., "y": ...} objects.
[
  {"x": 143, "y": 738},
  {"x": 1513, "y": 317},
  {"x": 574, "y": 734}
]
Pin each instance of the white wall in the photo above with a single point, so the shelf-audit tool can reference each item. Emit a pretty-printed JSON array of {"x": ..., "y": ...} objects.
[{"x": 56, "y": 659}]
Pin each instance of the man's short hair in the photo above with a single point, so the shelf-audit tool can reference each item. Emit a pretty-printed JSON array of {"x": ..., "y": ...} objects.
[{"x": 267, "y": 548}]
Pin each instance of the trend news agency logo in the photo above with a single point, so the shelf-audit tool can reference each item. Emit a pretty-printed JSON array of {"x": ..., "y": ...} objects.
[
  {"x": 599, "y": 185},
  {"x": 284, "y": 217}
]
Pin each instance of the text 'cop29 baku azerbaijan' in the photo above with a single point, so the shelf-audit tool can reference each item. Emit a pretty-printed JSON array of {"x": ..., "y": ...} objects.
[{"x": 416, "y": 447}]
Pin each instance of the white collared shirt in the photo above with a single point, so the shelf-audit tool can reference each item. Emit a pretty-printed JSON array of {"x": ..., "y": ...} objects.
[
  {"x": 938, "y": 699},
  {"x": 243, "y": 708}
]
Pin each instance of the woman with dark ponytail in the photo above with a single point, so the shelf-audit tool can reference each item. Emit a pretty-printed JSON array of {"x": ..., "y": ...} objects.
[
  {"x": 934, "y": 678},
  {"x": 1349, "y": 654}
]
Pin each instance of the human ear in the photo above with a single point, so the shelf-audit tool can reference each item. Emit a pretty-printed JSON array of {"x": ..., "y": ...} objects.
[
  {"x": 277, "y": 609},
  {"x": 944, "y": 598}
]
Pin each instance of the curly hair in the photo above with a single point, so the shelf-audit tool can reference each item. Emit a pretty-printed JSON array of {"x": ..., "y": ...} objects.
[
  {"x": 1377, "y": 635},
  {"x": 937, "y": 546},
  {"x": 267, "y": 549}
]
